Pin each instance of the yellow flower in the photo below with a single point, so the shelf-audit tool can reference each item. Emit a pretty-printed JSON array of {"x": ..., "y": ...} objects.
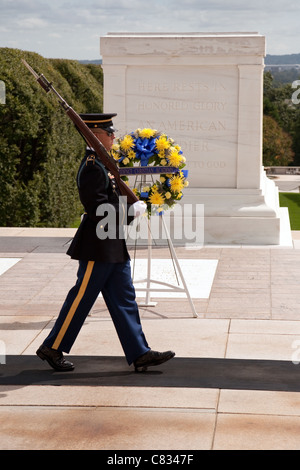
[
  {"x": 174, "y": 158},
  {"x": 115, "y": 151},
  {"x": 125, "y": 161},
  {"x": 127, "y": 142},
  {"x": 115, "y": 147},
  {"x": 156, "y": 198},
  {"x": 131, "y": 154},
  {"x": 146, "y": 133},
  {"x": 168, "y": 195},
  {"x": 162, "y": 179},
  {"x": 162, "y": 143},
  {"x": 177, "y": 184},
  {"x": 163, "y": 162}
]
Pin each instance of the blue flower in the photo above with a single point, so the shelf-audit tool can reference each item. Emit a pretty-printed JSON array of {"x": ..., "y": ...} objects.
[
  {"x": 144, "y": 149},
  {"x": 185, "y": 173}
]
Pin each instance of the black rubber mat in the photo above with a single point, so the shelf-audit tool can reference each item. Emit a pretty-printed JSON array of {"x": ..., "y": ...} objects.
[{"x": 179, "y": 372}]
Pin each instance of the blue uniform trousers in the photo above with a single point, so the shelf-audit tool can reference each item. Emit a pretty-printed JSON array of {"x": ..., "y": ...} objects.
[{"x": 115, "y": 283}]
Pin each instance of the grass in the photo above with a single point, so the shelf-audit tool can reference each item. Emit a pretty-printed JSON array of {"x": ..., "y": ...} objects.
[{"x": 292, "y": 201}]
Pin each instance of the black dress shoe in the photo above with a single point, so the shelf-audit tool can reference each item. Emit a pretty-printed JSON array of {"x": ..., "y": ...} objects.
[
  {"x": 152, "y": 358},
  {"x": 54, "y": 358}
]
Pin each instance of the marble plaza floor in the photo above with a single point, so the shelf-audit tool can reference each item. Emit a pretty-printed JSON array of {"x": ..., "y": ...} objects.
[{"x": 235, "y": 380}]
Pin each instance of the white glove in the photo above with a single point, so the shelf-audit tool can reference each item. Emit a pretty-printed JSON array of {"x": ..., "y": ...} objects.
[{"x": 139, "y": 208}]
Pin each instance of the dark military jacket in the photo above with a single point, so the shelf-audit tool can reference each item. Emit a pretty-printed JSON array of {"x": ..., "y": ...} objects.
[{"x": 100, "y": 236}]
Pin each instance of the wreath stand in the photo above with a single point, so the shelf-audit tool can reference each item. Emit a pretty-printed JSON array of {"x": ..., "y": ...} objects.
[{"x": 166, "y": 286}]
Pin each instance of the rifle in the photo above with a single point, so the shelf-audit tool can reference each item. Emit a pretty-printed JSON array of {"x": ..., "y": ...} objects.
[{"x": 87, "y": 134}]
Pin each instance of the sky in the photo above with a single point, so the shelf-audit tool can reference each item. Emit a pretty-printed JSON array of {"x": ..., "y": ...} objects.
[{"x": 71, "y": 29}]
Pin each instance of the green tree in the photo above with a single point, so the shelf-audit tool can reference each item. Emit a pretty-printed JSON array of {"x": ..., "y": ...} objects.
[
  {"x": 277, "y": 144},
  {"x": 280, "y": 119},
  {"x": 40, "y": 149},
  {"x": 296, "y": 137}
]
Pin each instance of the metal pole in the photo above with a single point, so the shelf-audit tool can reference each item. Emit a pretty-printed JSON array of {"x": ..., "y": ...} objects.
[{"x": 179, "y": 269}]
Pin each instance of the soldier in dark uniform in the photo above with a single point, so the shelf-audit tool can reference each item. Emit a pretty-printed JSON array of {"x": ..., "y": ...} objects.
[{"x": 104, "y": 263}]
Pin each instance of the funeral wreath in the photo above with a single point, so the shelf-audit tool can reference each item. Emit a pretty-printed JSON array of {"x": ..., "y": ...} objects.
[{"x": 151, "y": 151}]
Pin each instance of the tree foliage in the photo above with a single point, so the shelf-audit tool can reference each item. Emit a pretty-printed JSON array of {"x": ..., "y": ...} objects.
[
  {"x": 40, "y": 149},
  {"x": 281, "y": 124},
  {"x": 277, "y": 144}
]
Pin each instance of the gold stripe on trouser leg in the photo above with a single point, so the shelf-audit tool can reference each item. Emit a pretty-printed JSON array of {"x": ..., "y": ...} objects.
[{"x": 74, "y": 305}]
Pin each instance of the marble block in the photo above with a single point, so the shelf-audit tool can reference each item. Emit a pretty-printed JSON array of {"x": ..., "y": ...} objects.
[{"x": 204, "y": 90}]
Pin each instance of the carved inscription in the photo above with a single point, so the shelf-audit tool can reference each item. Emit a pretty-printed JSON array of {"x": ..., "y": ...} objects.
[
  {"x": 185, "y": 126},
  {"x": 160, "y": 87},
  {"x": 196, "y": 107},
  {"x": 209, "y": 164},
  {"x": 181, "y": 106}
]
